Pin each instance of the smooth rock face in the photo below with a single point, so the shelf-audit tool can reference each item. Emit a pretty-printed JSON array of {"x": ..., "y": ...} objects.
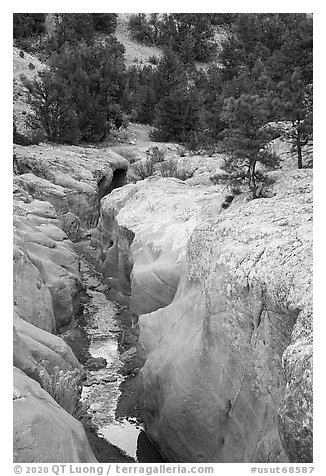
[
  {"x": 46, "y": 271},
  {"x": 46, "y": 350},
  {"x": 143, "y": 230},
  {"x": 56, "y": 197},
  {"x": 228, "y": 369},
  {"x": 227, "y": 376},
  {"x": 37, "y": 418}
]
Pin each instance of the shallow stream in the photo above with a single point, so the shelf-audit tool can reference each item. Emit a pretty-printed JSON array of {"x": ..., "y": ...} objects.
[{"x": 103, "y": 389}]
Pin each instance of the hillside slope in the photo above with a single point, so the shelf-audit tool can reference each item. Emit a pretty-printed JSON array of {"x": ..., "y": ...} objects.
[{"x": 135, "y": 52}]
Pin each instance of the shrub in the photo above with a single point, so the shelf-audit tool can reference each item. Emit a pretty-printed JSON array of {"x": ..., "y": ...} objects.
[
  {"x": 141, "y": 170},
  {"x": 31, "y": 66},
  {"x": 184, "y": 174},
  {"x": 170, "y": 168},
  {"x": 25, "y": 25},
  {"x": 22, "y": 54},
  {"x": 140, "y": 29},
  {"x": 66, "y": 388},
  {"x": 153, "y": 60},
  {"x": 155, "y": 154},
  {"x": 105, "y": 22},
  {"x": 182, "y": 151}
]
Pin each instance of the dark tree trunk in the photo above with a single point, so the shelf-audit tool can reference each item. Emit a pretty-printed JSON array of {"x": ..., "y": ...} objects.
[
  {"x": 299, "y": 152},
  {"x": 252, "y": 178},
  {"x": 298, "y": 144}
]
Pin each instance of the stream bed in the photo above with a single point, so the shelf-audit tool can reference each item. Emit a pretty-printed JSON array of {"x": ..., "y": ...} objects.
[{"x": 111, "y": 391}]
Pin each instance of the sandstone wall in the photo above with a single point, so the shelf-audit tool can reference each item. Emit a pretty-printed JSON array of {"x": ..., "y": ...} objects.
[
  {"x": 56, "y": 197},
  {"x": 43, "y": 431},
  {"x": 46, "y": 274},
  {"x": 227, "y": 376},
  {"x": 143, "y": 231},
  {"x": 71, "y": 178}
]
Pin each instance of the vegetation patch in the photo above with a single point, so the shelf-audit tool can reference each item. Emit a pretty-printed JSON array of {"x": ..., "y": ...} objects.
[{"x": 260, "y": 75}]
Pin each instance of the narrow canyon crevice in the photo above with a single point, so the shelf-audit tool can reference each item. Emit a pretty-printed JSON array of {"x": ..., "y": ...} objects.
[
  {"x": 190, "y": 319},
  {"x": 225, "y": 333}
]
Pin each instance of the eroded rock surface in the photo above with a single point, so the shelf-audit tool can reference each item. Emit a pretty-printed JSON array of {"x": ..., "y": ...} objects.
[
  {"x": 46, "y": 298},
  {"x": 71, "y": 178},
  {"x": 226, "y": 324},
  {"x": 56, "y": 198},
  {"x": 143, "y": 230},
  {"x": 37, "y": 419},
  {"x": 45, "y": 350},
  {"x": 46, "y": 274}
]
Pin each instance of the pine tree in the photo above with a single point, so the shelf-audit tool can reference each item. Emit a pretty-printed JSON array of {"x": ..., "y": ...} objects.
[
  {"x": 177, "y": 114},
  {"x": 245, "y": 140},
  {"x": 70, "y": 29},
  {"x": 105, "y": 22},
  {"x": 28, "y": 24},
  {"x": 295, "y": 105}
]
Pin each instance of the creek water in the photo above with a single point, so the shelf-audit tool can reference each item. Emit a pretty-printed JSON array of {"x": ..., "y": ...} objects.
[{"x": 102, "y": 389}]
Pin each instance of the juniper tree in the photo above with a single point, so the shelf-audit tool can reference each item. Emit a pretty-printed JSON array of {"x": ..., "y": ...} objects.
[
  {"x": 80, "y": 97},
  {"x": 53, "y": 111}
]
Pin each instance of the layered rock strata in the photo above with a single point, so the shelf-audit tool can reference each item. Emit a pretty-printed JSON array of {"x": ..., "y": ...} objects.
[
  {"x": 57, "y": 192},
  {"x": 73, "y": 179},
  {"x": 143, "y": 231},
  {"x": 225, "y": 298}
]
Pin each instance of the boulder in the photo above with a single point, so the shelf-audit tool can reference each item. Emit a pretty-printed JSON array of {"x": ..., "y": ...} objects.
[
  {"x": 96, "y": 363},
  {"x": 128, "y": 354},
  {"x": 43, "y": 431}
]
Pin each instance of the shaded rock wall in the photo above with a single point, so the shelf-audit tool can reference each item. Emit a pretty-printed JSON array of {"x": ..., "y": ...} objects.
[
  {"x": 143, "y": 230},
  {"x": 227, "y": 376}
]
